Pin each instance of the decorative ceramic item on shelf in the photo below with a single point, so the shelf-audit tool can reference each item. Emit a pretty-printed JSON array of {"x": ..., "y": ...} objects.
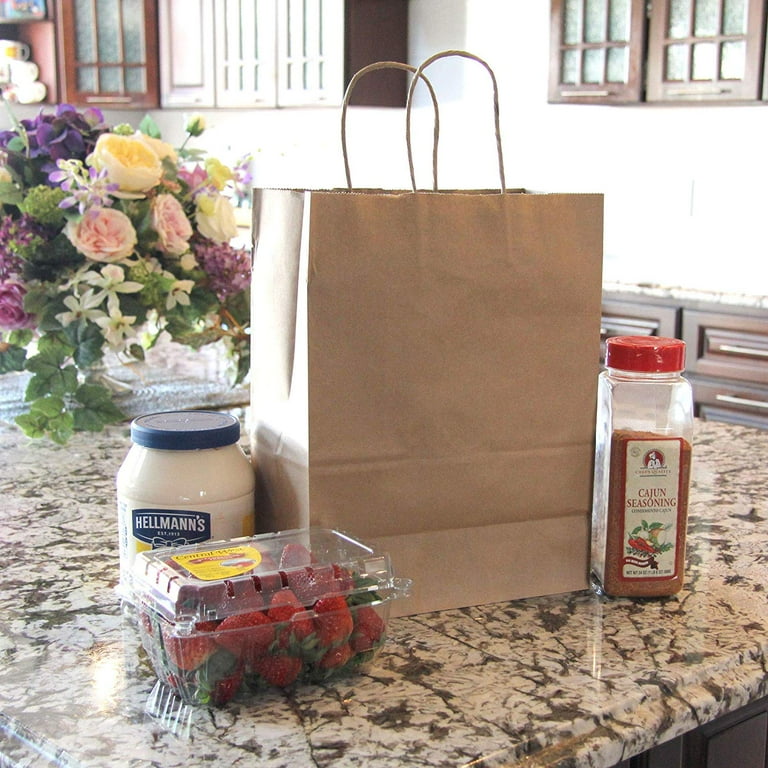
[{"x": 111, "y": 240}]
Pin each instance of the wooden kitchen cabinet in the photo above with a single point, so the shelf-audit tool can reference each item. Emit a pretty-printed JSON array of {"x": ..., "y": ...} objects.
[
  {"x": 40, "y": 36},
  {"x": 596, "y": 51},
  {"x": 636, "y": 318},
  {"x": 624, "y": 51},
  {"x": 727, "y": 364},
  {"x": 736, "y": 740},
  {"x": 726, "y": 350},
  {"x": 222, "y": 53},
  {"x": 107, "y": 53}
]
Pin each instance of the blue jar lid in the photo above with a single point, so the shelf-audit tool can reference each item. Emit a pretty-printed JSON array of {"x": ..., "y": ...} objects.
[{"x": 185, "y": 430}]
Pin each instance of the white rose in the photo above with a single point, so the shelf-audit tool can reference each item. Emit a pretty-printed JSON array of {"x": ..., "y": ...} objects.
[{"x": 215, "y": 218}]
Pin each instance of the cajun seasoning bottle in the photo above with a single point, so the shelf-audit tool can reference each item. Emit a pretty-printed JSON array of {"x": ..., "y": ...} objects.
[
  {"x": 185, "y": 480},
  {"x": 642, "y": 468}
]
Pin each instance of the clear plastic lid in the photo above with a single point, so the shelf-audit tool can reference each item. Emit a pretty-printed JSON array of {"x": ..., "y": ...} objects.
[
  {"x": 185, "y": 430},
  {"x": 210, "y": 581}
]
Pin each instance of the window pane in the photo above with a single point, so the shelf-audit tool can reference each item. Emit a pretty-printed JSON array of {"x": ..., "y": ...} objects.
[
  {"x": 705, "y": 18},
  {"x": 704, "y": 59},
  {"x": 107, "y": 30},
  {"x": 135, "y": 81},
  {"x": 679, "y": 18},
  {"x": 594, "y": 65},
  {"x": 86, "y": 79},
  {"x": 594, "y": 27},
  {"x": 619, "y": 21},
  {"x": 133, "y": 31},
  {"x": 572, "y": 22},
  {"x": 735, "y": 17},
  {"x": 85, "y": 27},
  {"x": 618, "y": 65},
  {"x": 732, "y": 62},
  {"x": 110, "y": 80},
  {"x": 571, "y": 66},
  {"x": 677, "y": 62}
]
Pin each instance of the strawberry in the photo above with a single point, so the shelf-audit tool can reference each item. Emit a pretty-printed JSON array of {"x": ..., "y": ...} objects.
[
  {"x": 227, "y": 687},
  {"x": 295, "y": 555},
  {"x": 280, "y": 669},
  {"x": 283, "y": 609},
  {"x": 309, "y": 583},
  {"x": 336, "y": 657},
  {"x": 369, "y": 628},
  {"x": 333, "y": 621},
  {"x": 343, "y": 578},
  {"x": 246, "y": 634},
  {"x": 188, "y": 652}
]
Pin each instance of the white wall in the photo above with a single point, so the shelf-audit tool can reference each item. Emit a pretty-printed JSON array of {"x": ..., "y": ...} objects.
[{"x": 684, "y": 185}]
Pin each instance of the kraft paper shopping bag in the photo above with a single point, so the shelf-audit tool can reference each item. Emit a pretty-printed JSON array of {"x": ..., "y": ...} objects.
[{"x": 424, "y": 367}]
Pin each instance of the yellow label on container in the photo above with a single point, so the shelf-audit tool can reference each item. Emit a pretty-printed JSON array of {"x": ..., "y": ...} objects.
[{"x": 215, "y": 564}]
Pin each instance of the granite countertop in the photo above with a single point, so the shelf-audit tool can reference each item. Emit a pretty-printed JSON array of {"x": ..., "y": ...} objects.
[
  {"x": 672, "y": 292},
  {"x": 562, "y": 680}
]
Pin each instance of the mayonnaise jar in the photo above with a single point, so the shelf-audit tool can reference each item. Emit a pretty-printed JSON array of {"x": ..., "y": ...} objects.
[{"x": 185, "y": 480}]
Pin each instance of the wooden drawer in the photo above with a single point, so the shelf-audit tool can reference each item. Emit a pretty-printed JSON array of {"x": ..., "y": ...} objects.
[
  {"x": 733, "y": 401},
  {"x": 731, "y": 346},
  {"x": 625, "y": 318}
]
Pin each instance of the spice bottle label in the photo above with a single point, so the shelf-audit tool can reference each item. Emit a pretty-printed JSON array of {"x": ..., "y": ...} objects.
[{"x": 651, "y": 506}]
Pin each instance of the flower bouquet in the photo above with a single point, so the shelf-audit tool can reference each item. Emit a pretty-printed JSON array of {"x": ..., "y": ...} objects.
[{"x": 109, "y": 239}]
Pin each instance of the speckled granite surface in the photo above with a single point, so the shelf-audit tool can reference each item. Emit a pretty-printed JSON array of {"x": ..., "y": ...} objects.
[
  {"x": 678, "y": 293},
  {"x": 568, "y": 680}
]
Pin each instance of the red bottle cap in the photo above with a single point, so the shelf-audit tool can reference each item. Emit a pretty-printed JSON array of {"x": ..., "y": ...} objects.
[{"x": 645, "y": 354}]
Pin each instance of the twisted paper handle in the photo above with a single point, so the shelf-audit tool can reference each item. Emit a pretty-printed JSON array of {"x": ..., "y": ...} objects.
[
  {"x": 436, "y": 132},
  {"x": 419, "y": 73}
]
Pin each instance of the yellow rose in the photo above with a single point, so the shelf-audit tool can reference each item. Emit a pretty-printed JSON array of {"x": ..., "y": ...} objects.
[
  {"x": 161, "y": 148},
  {"x": 129, "y": 162},
  {"x": 218, "y": 173}
]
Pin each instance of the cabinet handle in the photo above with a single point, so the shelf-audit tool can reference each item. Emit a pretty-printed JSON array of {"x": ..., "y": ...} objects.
[
  {"x": 697, "y": 92},
  {"x": 585, "y": 94},
  {"x": 109, "y": 99},
  {"x": 734, "y": 400},
  {"x": 737, "y": 350}
]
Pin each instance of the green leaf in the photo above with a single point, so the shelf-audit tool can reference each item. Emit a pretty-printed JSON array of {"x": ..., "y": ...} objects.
[
  {"x": 51, "y": 376},
  {"x": 87, "y": 342},
  {"x": 12, "y": 359},
  {"x": 47, "y": 416},
  {"x": 98, "y": 408},
  {"x": 149, "y": 127}
]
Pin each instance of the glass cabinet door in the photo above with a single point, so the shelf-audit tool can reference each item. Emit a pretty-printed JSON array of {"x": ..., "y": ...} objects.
[
  {"x": 596, "y": 50},
  {"x": 108, "y": 52},
  {"x": 705, "y": 50}
]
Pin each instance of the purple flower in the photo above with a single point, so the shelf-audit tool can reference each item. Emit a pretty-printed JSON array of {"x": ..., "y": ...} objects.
[
  {"x": 65, "y": 134},
  {"x": 15, "y": 233},
  {"x": 12, "y": 314},
  {"x": 228, "y": 268}
]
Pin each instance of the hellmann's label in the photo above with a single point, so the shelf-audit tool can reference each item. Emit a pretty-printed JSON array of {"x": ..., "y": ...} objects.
[{"x": 159, "y": 528}]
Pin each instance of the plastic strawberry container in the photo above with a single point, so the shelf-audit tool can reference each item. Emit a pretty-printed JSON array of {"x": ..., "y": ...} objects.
[{"x": 234, "y": 617}]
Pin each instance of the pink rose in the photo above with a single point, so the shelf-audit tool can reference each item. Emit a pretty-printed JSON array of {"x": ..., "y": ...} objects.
[
  {"x": 12, "y": 314},
  {"x": 171, "y": 224},
  {"x": 103, "y": 234}
]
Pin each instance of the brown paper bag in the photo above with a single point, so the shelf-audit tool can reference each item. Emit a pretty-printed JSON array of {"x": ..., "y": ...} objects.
[{"x": 424, "y": 378}]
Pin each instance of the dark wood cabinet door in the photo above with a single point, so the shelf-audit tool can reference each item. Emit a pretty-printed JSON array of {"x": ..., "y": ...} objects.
[
  {"x": 107, "y": 53},
  {"x": 596, "y": 51},
  {"x": 705, "y": 50}
]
